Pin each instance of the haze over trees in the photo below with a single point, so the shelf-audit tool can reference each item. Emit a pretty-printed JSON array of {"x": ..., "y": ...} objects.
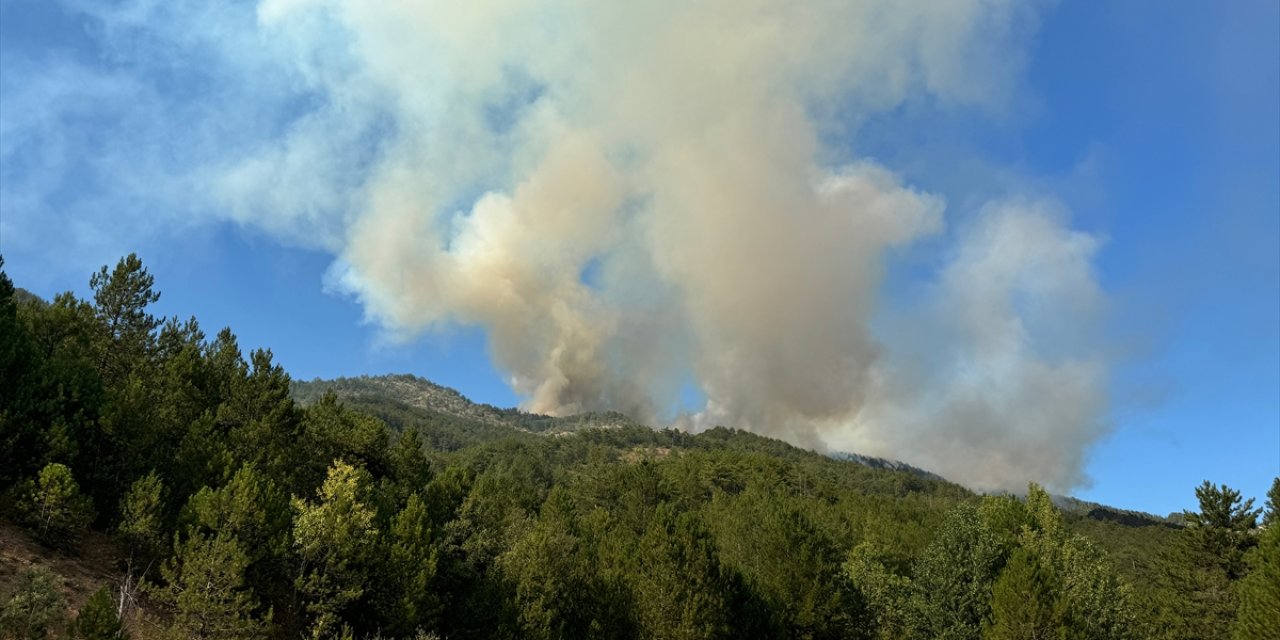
[{"x": 245, "y": 513}]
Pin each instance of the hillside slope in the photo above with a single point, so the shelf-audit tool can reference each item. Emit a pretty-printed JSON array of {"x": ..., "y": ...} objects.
[
  {"x": 387, "y": 507},
  {"x": 93, "y": 563}
]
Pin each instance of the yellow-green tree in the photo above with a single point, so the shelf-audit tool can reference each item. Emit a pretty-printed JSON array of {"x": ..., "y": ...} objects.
[
  {"x": 204, "y": 585},
  {"x": 141, "y": 512},
  {"x": 334, "y": 538},
  {"x": 54, "y": 506}
]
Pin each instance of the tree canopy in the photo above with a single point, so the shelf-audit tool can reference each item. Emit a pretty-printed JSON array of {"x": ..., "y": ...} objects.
[{"x": 250, "y": 514}]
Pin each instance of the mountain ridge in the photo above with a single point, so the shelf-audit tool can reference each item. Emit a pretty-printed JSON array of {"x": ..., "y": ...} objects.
[{"x": 417, "y": 394}]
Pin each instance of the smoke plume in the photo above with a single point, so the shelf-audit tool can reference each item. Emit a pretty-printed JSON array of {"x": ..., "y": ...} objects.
[
  {"x": 627, "y": 195},
  {"x": 623, "y": 194}
]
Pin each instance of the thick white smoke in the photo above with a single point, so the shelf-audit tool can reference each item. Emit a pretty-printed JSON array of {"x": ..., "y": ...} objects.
[
  {"x": 624, "y": 193},
  {"x": 996, "y": 378},
  {"x": 627, "y": 195}
]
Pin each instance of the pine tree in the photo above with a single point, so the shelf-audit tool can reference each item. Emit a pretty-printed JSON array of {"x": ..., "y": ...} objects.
[
  {"x": 1086, "y": 598},
  {"x": 250, "y": 507},
  {"x": 954, "y": 575},
  {"x": 262, "y": 423},
  {"x": 412, "y": 561},
  {"x": 21, "y": 438},
  {"x": 336, "y": 432},
  {"x": 683, "y": 592},
  {"x": 1024, "y": 600},
  {"x": 97, "y": 620},
  {"x": 888, "y": 595},
  {"x": 54, "y": 506},
  {"x": 204, "y": 584},
  {"x": 141, "y": 511},
  {"x": 333, "y": 539},
  {"x": 409, "y": 462},
  {"x": 1196, "y": 586},
  {"x": 35, "y": 607},
  {"x": 1258, "y": 616},
  {"x": 1271, "y": 514},
  {"x": 1223, "y": 527},
  {"x": 121, "y": 297}
]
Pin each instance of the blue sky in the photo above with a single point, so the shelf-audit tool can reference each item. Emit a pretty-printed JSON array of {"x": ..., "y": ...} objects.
[{"x": 1156, "y": 125}]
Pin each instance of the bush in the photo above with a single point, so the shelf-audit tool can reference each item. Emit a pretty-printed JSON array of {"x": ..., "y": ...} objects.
[
  {"x": 35, "y": 608},
  {"x": 98, "y": 620}
]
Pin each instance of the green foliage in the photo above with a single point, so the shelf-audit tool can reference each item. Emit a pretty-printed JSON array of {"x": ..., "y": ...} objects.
[
  {"x": 791, "y": 560},
  {"x": 1005, "y": 569},
  {"x": 1023, "y": 600},
  {"x": 333, "y": 538},
  {"x": 141, "y": 516},
  {"x": 1223, "y": 528},
  {"x": 17, "y": 358},
  {"x": 682, "y": 590},
  {"x": 888, "y": 596},
  {"x": 336, "y": 433},
  {"x": 54, "y": 507},
  {"x": 35, "y": 607},
  {"x": 552, "y": 588},
  {"x": 409, "y": 463},
  {"x": 421, "y": 512},
  {"x": 954, "y": 575},
  {"x": 1271, "y": 512},
  {"x": 121, "y": 297},
  {"x": 412, "y": 560},
  {"x": 1260, "y": 591},
  {"x": 204, "y": 585},
  {"x": 262, "y": 424},
  {"x": 97, "y": 619},
  {"x": 250, "y": 507},
  {"x": 1195, "y": 594}
]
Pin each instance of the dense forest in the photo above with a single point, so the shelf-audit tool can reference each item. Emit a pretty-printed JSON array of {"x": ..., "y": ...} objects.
[{"x": 246, "y": 506}]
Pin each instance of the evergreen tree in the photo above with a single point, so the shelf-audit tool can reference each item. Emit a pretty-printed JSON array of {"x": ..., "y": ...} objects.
[
  {"x": 409, "y": 462},
  {"x": 227, "y": 369},
  {"x": 1023, "y": 600},
  {"x": 263, "y": 425},
  {"x": 1258, "y": 617},
  {"x": 1196, "y": 591},
  {"x": 97, "y": 619},
  {"x": 142, "y": 509},
  {"x": 121, "y": 297},
  {"x": 683, "y": 592},
  {"x": 954, "y": 576},
  {"x": 54, "y": 506},
  {"x": 1223, "y": 527},
  {"x": 251, "y": 507},
  {"x": 1271, "y": 514},
  {"x": 21, "y": 438},
  {"x": 36, "y": 606},
  {"x": 204, "y": 584},
  {"x": 412, "y": 559},
  {"x": 255, "y": 511},
  {"x": 333, "y": 538},
  {"x": 549, "y": 590},
  {"x": 790, "y": 561},
  {"x": 336, "y": 432},
  {"x": 1076, "y": 587},
  {"x": 888, "y": 595}
]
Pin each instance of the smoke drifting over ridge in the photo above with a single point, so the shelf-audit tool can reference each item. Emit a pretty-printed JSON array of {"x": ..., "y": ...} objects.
[
  {"x": 622, "y": 193},
  {"x": 627, "y": 195}
]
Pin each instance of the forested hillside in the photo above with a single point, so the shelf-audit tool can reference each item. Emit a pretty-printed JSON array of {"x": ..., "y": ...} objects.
[{"x": 242, "y": 505}]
